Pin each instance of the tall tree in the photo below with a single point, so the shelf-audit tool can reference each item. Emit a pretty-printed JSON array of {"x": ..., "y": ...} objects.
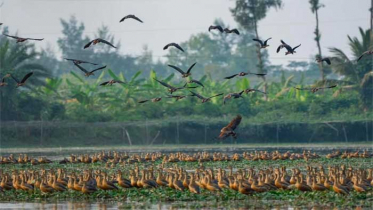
[
  {"x": 360, "y": 73},
  {"x": 315, "y": 6},
  {"x": 248, "y": 13}
]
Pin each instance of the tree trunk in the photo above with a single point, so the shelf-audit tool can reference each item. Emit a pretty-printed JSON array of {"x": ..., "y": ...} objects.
[
  {"x": 318, "y": 45},
  {"x": 371, "y": 18},
  {"x": 260, "y": 64}
]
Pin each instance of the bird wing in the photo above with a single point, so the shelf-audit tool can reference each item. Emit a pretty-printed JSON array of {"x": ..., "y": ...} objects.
[
  {"x": 362, "y": 55},
  {"x": 81, "y": 68},
  {"x": 223, "y": 133},
  {"x": 118, "y": 81},
  {"x": 327, "y": 60},
  {"x": 235, "y": 122},
  {"x": 35, "y": 39},
  {"x": 303, "y": 88},
  {"x": 106, "y": 42},
  {"x": 190, "y": 68},
  {"x": 257, "y": 74},
  {"x": 5, "y": 76},
  {"x": 88, "y": 44},
  {"x": 14, "y": 37},
  {"x": 296, "y": 47},
  {"x": 235, "y": 31},
  {"x": 265, "y": 42},
  {"x": 100, "y": 68},
  {"x": 240, "y": 93},
  {"x": 279, "y": 48},
  {"x": 71, "y": 59},
  {"x": 175, "y": 45},
  {"x": 260, "y": 91},
  {"x": 260, "y": 41},
  {"x": 332, "y": 86},
  {"x": 226, "y": 98},
  {"x": 164, "y": 84},
  {"x": 15, "y": 79},
  {"x": 196, "y": 94},
  {"x": 104, "y": 83},
  {"x": 216, "y": 95},
  {"x": 230, "y": 77},
  {"x": 131, "y": 16},
  {"x": 26, "y": 77},
  {"x": 197, "y": 82},
  {"x": 177, "y": 69},
  {"x": 140, "y": 102},
  {"x": 284, "y": 43},
  {"x": 216, "y": 27}
]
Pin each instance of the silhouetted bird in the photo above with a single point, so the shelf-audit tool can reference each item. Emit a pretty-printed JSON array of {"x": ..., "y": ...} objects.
[
  {"x": 76, "y": 61},
  {"x": 369, "y": 52},
  {"x": 226, "y": 30},
  {"x": 184, "y": 74},
  {"x": 111, "y": 82},
  {"x": 241, "y": 74},
  {"x": 20, "y": 39},
  {"x": 315, "y": 89},
  {"x": 89, "y": 73},
  {"x": 204, "y": 100},
  {"x": 232, "y": 95},
  {"x": 131, "y": 17},
  {"x": 23, "y": 81},
  {"x": 289, "y": 49},
  {"x": 320, "y": 60},
  {"x": 263, "y": 44},
  {"x": 152, "y": 100},
  {"x": 96, "y": 41},
  {"x": 173, "y": 45},
  {"x": 219, "y": 28}
]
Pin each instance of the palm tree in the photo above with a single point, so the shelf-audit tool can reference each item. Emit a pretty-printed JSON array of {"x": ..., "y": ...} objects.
[
  {"x": 17, "y": 59},
  {"x": 358, "y": 73}
]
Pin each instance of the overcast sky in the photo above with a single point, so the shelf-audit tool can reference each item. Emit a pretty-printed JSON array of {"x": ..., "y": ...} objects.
[{"x": 176, "y": 20}]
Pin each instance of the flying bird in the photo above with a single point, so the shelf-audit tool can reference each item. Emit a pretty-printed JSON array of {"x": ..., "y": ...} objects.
[
  {"x": 23, "y": 81},
  {"x": 229, "y": 129},
  {"x": 320, "y": 60},
  {"x": 152, "y": 100},
  {"x": 219, "y": 28},
  {"x": 226, "y": 30},
  {"x": 96, "y": 41},
  {"x": 171, "y": 88},
  {"x": 131, "y": 17},
  {"x": 251, "y": 90},
  {"x": 76, "y": 61},
  {"x": 20, "y": 39},
  {"x": 3, "y": 83},
  {"x": 184, "y": 74},
  {"x": 315, "y": 89},
  {"x": 289, "y": 49},
  {"x": 179, "y": 97},
  {"x": 196, "y": 81},
  {"x": 232, "y": 95},
  {"x": 241, "y": 74},
  {"x": 173, "y": 45},
  {"x": 89, "y": 73},
  {"x": 369, "y": 52},
  {"x": 111, "y": 82},
  {"x": 204, "y": 100},
  {"x": 263, "y": 44}
]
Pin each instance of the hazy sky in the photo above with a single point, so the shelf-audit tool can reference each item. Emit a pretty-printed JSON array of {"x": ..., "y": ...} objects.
[{"x": 176, "y": 20}]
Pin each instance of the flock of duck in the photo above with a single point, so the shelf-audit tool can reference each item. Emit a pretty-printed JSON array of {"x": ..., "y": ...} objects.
[
  {"x": 341, "y": 180},
  {"x": 113, "y": 157}
]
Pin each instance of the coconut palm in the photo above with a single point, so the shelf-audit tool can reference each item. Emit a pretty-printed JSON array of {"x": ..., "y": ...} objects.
[
  {"x": 18, "y": 60},
  {"x": 359, "y": 73}
]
